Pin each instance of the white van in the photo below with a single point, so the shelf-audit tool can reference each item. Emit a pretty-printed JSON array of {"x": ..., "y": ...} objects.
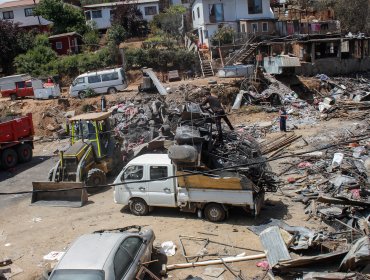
[{"x": 105, "y": 81}]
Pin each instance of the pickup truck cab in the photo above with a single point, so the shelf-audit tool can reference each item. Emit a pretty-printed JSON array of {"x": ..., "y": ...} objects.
[{"x": 153, "y": 180}]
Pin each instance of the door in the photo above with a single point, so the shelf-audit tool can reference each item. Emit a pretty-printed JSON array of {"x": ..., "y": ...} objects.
[
  {"x": 24, "y": 89},
  {"x": 132, "y": 175},
  {"x": 161, "y": 192}
]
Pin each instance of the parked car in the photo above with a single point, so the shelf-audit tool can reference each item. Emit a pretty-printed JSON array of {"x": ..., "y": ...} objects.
[
  {"x": 105, "y": 81},
  {"x": 106, "y": 255}
]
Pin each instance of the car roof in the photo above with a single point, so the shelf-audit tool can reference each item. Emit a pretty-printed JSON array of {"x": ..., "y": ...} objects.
[
  {"x": 94, "y": 73},
  {"x": 91, "y": 251},
  {"x": 156, "y": 159}
]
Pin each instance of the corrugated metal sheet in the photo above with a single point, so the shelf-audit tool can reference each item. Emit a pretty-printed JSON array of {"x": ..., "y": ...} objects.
[
  {"x": 288, "y": 61},
  {"x": 274, "y": 246}
]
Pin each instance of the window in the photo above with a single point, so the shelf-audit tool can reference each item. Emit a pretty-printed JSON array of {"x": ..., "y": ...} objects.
[
  {"x": 255, "y": 6},
  {"x": 149, "y": 11},
  {"x": 8, "y": 15},
  {"x": 184, "y": 1},
  {"x": 58, "y": 45},
  {"x": 109, "y": 76},
  {"x": 96, "y": 14},
  {"x": 111, "y": 15},
  {"x": 125, "y": 255},
  {"x": 254, "y": 27},
  {"x": 28, "y": 84},
  {"x": 158, "y": 172},
  {"x": 88, "y": 15},
  {"x": 198, "y": 12},
  {"x": 93, "y": 79},
  {"x": 242, "y": 28},
  {"x": 133, "y": 172},
  {"x": 28, "y": 12},
  {"x": 78, "y": 81},
  {"x": 216, "y": 13},
  {"x": 21, "y": 85},
  {"x": 193, "y": 15},
  {"x": 64, "y": 274},
  {"x": 265, "y": 27}
]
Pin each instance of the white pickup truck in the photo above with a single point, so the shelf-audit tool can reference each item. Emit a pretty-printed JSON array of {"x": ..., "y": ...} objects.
[{"x": 211, "y": 195}]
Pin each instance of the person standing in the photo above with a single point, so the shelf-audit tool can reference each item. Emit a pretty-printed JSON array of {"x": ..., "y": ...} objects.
[
  {"x": 283, "y": 117},
  {"x": 219, "y": 112}
]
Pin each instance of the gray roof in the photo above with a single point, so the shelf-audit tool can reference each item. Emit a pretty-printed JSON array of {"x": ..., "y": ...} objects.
[
  {"x": 112, "y": 4},
  {"x": 90, "y": 251},
  {"x": 64, "y": 34}
]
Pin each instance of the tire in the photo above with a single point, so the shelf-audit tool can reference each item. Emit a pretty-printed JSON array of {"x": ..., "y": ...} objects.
[
  {"x": 24, "y": 153},
  {"x": 9, "y": 158},
  {"x": 138, "y": 207},
  {"x": 214, "y": 212},
  {"x": 112, "y": 90},
  {"x": 13, "y": 97},
  {"x": 81, "y": 95},
  {"x": 95, "y": 177}
]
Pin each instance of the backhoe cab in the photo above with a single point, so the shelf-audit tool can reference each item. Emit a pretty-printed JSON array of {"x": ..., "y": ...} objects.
[{"x": 93, "y": 153}]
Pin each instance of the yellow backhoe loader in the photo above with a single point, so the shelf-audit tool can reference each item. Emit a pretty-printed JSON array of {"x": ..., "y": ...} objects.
[{"x": 93, "y": 153}]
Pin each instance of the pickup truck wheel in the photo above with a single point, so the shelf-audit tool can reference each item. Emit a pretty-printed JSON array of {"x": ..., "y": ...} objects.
[
  {"x": 214, "y": 212},
  {"x": 138, "y": 207},
  {"x": 24, "y": 152},
  {"x": 13, "y": 97},
  {"x": 9, "y": 158}
]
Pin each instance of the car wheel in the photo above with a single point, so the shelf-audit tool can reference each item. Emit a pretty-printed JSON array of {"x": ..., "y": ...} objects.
[
  {"x": 81, "y": 94},
  {"x": 139, "y": 207},
  {"x": 112, "y": 90},
  {"x": 13, "y": 97},
  {"x": 214, "y": 212},
  {"x": 9, "y": 158},
  {"x": 24, "y": 152}
]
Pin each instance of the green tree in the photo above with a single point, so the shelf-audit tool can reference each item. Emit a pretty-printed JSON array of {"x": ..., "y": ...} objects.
[
  {"x": 170, "y": 21},
  {"x": 131, "y": 19},
  {"x": 117, "y": 34},
  {"x": 91, "y": 40},
  {"x": 354, "y": 16},
  {"x": 36, "y": 59},
  {"x": 13, "y": 42},
  {"x": 65, "y": 17}
]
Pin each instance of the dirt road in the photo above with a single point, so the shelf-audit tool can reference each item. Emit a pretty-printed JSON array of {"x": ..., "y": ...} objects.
[{"x": 27, "y": 233}]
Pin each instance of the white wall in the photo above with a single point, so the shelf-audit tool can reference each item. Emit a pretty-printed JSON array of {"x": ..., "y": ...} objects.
[
  {"x": 142, "y": 9},
  {"x": 20, "y": 17}
]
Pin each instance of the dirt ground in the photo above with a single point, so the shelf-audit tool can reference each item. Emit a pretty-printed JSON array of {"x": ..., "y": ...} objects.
[{"x": 27, "y": 233}]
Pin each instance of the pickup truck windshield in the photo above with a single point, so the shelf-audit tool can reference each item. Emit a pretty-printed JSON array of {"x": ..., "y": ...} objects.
[{"x": 80, "y": 274}]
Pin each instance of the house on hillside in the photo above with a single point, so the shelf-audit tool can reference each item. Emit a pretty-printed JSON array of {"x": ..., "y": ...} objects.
[
  {"x": 102, "y": 14},
  {"x": 244, "y": 16},
  {"x": 21, "y": 11},
  {"x": 66, "y": 43}
]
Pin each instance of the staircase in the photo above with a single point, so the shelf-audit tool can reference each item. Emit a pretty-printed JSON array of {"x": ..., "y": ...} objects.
[
  {"x": 246, "y": 51},
  {"x": 205, "y": 64}
]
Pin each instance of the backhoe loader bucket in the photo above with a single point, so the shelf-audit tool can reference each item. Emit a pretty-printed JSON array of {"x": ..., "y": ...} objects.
[{"x": 62, "y": 194}]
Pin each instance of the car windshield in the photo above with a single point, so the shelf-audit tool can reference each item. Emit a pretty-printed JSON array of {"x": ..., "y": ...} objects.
[
  {"x": 80, "y": 274},
  {"x": 85, "y": 129}
]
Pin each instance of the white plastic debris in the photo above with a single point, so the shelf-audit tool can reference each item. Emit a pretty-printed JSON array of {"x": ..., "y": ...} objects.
[
  {"x": 168, "y": 248},
  {"x": 36, "y": 220},
  {"x": 53, "y": 256},
  {"x": 337, "y": 159}
]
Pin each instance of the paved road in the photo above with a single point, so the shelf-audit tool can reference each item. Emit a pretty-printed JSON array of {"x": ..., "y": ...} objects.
[{"x": 21, "y": 177}]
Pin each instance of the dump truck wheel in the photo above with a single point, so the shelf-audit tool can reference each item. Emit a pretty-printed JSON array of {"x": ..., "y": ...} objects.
[
  {"x": 13, "y": 97},
  {"x": 138, "y": 207},
  {"x": 214, "y": 212},
  {"x": 24, "y": 152},
  {"x": 9, "y": 158},
  {"x": 95, "y": 177}
]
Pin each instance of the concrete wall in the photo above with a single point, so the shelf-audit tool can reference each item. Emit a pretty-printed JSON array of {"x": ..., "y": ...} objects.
[
  {"x": 334, "y": 66},
  {"x": 20, "y": 17}
]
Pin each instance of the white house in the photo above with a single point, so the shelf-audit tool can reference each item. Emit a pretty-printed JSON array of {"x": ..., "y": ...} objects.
[
  {"x": 245, "y": 16},
  {"x": 102, "y": 14},
  {"x": 21, "y": 12}
]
